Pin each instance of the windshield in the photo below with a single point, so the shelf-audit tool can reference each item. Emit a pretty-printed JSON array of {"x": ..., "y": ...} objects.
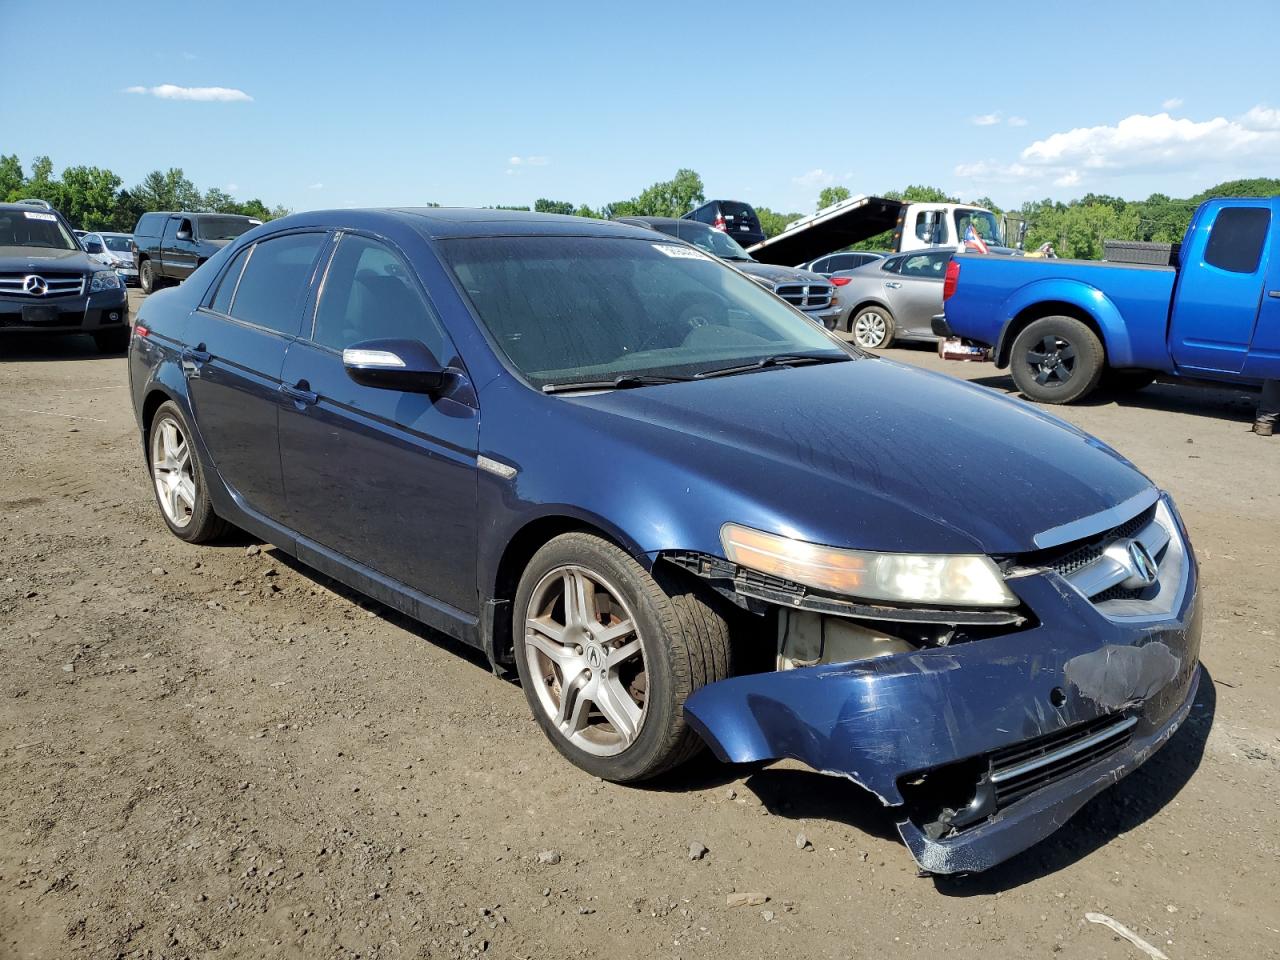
[
  {"x": 984, "y": 223},
  {"x": 32, "y": 228},
  {"x": 586, "y": 309},
  {"x": 119, "y": 244},
  {"x": 224, "y": 228},
  {"x": 711, "y": 240}
]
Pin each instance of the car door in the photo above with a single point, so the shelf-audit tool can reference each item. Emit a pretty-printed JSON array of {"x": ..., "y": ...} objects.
[
  {"x": 1218, "y": 298},
  {"x": 383, "y": 477},
  {"x": 235, "y": 347},
  {"x": 178, "y": 256},
  {"x": 918, "y": 296}
]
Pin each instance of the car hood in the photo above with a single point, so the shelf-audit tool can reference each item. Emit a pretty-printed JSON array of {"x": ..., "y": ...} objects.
[
  {"x": 869, "y": 454},
  {"x": 35, "y": 259},
  {"x": 776, "y": 275}
]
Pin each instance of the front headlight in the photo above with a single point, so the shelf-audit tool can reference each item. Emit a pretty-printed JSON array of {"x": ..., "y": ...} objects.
[
  {"x": 104, "y": 280},
  {"x": 958, "y": 580}
]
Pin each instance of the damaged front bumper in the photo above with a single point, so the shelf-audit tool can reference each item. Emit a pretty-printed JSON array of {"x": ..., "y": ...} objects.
[{"x": 985, "y": 747}]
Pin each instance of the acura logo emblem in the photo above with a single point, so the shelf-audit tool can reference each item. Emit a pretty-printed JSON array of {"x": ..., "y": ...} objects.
[
  {"x": 1142, "y": 569},
  {"x": 34, "y": 285}
]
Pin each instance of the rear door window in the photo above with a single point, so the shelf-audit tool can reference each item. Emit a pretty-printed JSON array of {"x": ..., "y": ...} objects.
[
  {"x": 1236, "y": 240},
  {"x": 221, "y": 300},
  {"x": 275, "y": 280},
  {"x": 925, "y": 266}
]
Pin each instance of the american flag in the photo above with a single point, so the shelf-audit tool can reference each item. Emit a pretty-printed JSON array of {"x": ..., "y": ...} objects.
[{"x": 971, "y": 239}]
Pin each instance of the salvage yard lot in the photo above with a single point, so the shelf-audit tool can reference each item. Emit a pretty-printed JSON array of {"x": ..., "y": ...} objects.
[{"x": 213, "y": 749}]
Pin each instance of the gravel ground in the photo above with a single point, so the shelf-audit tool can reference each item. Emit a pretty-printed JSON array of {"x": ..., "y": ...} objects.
[{"x": 209, "y": 749}]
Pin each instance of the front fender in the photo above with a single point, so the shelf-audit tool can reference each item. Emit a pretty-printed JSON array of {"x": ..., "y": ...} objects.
[{"x": 1084, "y": 297}]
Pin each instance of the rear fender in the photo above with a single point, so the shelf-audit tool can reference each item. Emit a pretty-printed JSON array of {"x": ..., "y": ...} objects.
[{"x": 1044, "y": 298}]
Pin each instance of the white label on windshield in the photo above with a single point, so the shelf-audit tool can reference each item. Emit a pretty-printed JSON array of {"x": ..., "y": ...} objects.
[
  {"x": 685, "y": 253},
  {"x": 39, "y": 216}
]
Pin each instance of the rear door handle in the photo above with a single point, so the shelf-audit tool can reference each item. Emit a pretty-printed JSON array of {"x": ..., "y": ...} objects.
[
  {"x": 192, "y": 358},
  {"x": 892, "y": 284},
  {"x": 300, "y": 393}
]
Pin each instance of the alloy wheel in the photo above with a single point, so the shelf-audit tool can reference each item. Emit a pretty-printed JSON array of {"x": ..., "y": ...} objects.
[
  {"x": 173, "y": 472},
  {"x": 1052, "y": 360},
  {"x": 869, "y": 329},
  {"x": 584, "y": 653}
]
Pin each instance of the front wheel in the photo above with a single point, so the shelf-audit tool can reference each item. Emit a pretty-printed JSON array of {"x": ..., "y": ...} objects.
[
  {"x": 608, "y": 655},
  {"x": 872, "y": 328},
  {"x": 1057, "y": 360}
]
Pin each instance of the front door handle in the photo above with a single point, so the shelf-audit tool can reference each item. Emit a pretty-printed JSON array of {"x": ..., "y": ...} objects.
[
  {"x": 300, "y": 392},
  {"x": 1274, "y": 294},
  {"x": 892, "y": 284}
]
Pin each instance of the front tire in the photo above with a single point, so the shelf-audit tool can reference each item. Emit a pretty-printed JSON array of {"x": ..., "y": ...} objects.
[
  {"x": 608, "y": 653},
  {"x": 872, "y": 328},
  {"x": 178, "y": 479},
  {"x": 1057, "y": 360},
  {"x": 147, "y": 276}
]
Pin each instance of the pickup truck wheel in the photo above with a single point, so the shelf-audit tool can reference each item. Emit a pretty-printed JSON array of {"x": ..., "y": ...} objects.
[
  {"x": 608, "y": 654},
  {"x": 1057, "y": 360},
  {"x": 146, "y": 276},
  {"x": 872, "y": 328}
]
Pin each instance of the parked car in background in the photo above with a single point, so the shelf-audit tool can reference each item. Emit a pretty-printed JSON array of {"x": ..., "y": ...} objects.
[
  {"x": 80, "y": 234},
  {"x": 895, "y": 298},
  {"x": 170, "y": 246},
  {"x": 48, "y": 284},
  {"x": 114, "y": 250},
  {"x": 728, "y": 528},
  {"x": 739, "y": 220},
  {"x": 803, "y": 289},
  {"x": 845, "y": 260},
  {"x": 1064, "y": 326}
]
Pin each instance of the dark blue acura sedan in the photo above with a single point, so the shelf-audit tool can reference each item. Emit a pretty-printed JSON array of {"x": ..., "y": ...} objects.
[{"x": 680, "y": 510}]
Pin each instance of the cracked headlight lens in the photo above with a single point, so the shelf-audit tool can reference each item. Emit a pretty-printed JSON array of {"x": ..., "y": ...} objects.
[
  {"x": 958, "y": 580},
  {"x": 104, "y": 280}
]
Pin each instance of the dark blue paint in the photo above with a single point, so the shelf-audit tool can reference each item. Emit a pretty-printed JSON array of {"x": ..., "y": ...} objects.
[
  {"x": 1196, "y": 320},
  {"x": 381, "y": 489}
]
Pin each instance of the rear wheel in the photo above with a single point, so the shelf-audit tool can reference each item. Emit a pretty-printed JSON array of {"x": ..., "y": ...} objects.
[
  {"x": 608, "y": 654},
  {"x": 146, "y": 276},
  {"x": 1057, "y": 360},
  {"x": 178, "y": 479},
  {"x": 872, "y": 328},
  {"x": 112, "y": 341}
]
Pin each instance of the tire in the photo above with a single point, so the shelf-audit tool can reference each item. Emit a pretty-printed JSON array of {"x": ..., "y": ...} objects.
[
  {"x": 872, "y": 328},
  {"x": 193, "y": 521},
  {"x": 1127, "y": 380},
  {"x": 113, "y": 341},
  {"x": 1057, "y": 360},
  {"x": 146, "y": 277},
  {"x": 681, "y": 644}
]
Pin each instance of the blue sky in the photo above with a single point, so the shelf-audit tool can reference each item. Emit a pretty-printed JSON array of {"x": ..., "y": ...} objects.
[{"x": 325, "y": 104}]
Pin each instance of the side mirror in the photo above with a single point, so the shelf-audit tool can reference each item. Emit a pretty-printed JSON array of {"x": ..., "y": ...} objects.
[
  {"x": 94, "y": 248},
  {"x": 394, "y": 365},
  {"x": 183, "y": 235}
]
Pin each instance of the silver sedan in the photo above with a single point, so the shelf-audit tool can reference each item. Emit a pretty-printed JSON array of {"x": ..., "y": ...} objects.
[{"x": 892, "y": 299}]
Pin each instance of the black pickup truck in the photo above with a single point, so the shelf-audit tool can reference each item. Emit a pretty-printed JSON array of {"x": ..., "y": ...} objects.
[
  {"x": 49, "y": 284},
  {"x": 169, "y": 246}
]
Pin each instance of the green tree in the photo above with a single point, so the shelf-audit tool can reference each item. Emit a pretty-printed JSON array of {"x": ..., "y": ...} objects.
[
  {"x": 667, "y": 198},
  {"x": 917, "y": 193},
  {"x": 41, "y": 185},
  {"x": 553, "y": 206},
  {"x": 11, "y": 178},
  {"x": 772, "y": 222},
  {"x": 89, "y": 196},
  {"x": 168, "y": 190},
  {"x": 218, "y": 201},
  {"x": 832, "y": 195}
]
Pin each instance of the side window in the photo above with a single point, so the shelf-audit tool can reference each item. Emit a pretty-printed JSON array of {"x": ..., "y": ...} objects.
[
  {"x": 170, "y": 228},
  {"x": 1237, "y": 238},
  {"x": 822, "y": 265},
  {"x": 274, "y": 281},
  {"x": 221, "y": 302},
  {"x": 892, "y": 264},
  {"x": 924, "y": 227},
  {"x": 369, "y": 294},
  {"x": 925, "y": 266}
]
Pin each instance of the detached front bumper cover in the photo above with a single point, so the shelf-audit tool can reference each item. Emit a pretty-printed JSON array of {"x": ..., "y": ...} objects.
[{"x": 883, "y": 722}]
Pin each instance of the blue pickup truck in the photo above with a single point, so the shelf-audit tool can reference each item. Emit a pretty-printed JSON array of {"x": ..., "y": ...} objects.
[{"x": 1065, "y": 326}]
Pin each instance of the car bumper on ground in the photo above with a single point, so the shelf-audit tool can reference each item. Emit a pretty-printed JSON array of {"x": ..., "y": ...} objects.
[
  {"x": 930, "y": 731},
  {"x": 90, "y": 314}
]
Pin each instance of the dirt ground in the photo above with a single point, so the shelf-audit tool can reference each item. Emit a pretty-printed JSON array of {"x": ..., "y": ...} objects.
[{"x": 211, "y": 750}]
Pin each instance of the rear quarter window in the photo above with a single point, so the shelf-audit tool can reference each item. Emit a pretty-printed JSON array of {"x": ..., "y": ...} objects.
[
  {"x": 1237, "y": 237},
  {"x": 150, "y": 224}
]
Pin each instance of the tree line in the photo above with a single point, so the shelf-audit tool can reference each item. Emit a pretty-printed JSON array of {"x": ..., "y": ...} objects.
[{"x": 94, "y": 198}]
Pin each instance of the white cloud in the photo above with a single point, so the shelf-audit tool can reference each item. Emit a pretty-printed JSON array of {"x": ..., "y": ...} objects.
[
  {"x": 1068, "y": 179},
  {"x": 986, "y": 119},
  {"x": 187, "y": 55},
  {"x": 168, "y": 91},
  {"x": 232, "y": 187},
  {"x": 1173, "y": 103},
  {"x": 529, "y": 161},
  {"x": 814, "y": 178},
  {"x": 1017, "y": 121},
  {"x": 993, "y": 172},
  {"x": 315, "y": 186}
]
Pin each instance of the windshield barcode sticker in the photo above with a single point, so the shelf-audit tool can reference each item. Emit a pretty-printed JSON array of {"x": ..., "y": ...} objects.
[
  {"x": 684, "y": 253},
  {"x": 39, "y": 216}
]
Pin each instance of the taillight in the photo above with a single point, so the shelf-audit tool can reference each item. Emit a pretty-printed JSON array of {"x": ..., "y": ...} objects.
[
  {"x": 951, "y": 279},
  {"x": 840, "y": 281},
  {"x": 718, "y": 224},
  {"x": 140, "y": 331}
]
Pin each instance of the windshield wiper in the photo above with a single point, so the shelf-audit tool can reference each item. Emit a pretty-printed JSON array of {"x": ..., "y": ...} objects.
[
  {"x": 617, "y": 383},
  {"x": 777, "y": 360}
]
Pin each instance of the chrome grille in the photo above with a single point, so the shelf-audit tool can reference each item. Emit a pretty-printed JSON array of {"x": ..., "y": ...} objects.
[
  {"x": 55, "y": 284},
  {"x": 806, "y": 296},
  {"x": 1022, "y": 769}
]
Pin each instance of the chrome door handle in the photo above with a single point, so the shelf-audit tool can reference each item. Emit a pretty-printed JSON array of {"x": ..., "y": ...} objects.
[
  {"x": 1274, "y": 294},
  {"x": 192, "y": 358},
  {"x": 892, "y": 284},
  {"x": 300, "y": 393}
]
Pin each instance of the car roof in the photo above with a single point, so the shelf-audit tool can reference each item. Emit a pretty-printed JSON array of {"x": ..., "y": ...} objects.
[{"x": 437, "y": 223}]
